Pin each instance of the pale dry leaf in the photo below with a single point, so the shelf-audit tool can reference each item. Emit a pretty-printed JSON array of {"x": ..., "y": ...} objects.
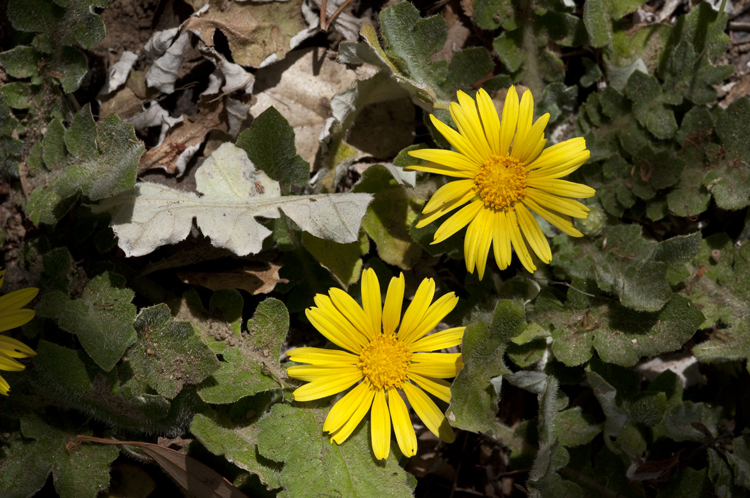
[
  {"x": 200, "y": 479},
  {"x": 164, "y": 71},
  {"x": 253, "y": 279},
  {"x": 118, "y": 73},
  {"x": 301, "y": 89},
  {"x": 155, "y": 115},
  {"x": 160, "y": 42},
  {"x": 234, "y": 194}
]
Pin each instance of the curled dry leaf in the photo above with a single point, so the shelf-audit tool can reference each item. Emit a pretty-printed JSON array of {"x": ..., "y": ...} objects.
[
  {"x": 201, "y": 480},
  {"x": 253, "y": 279}
]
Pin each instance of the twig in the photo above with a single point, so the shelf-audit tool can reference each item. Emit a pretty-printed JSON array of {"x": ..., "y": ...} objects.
[
  {"x": 324, "y": 24},
  {"x": 739, "y": 26}
]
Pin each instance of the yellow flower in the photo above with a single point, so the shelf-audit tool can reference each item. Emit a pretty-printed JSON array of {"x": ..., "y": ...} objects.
[
  {"x": 382, "y": 362},
  {"x": 12, "y": 316},
  {"x": 505, "y": 175}
]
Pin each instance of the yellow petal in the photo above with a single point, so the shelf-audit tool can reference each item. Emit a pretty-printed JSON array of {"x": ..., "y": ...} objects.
[
  {"x": 436, "y": 312},
  {"x": 371, "y": 300},
  {"x": 319, "y": 356},
  {"x": 439, "y": 388},
  {"x": 557, "y": 220},
  {"x": 333, "y": 333},
  {"x": 394, "y": 299},
  {"x": 466, "y": 118},
  {"x": 2, "y": 277},
  {"x": 437, "y": 365},
  {"x": 509, "y": 122},
  {"x": 533, "y": 233},
  {"x": 14, "y": 349},
  {"x": 327, "y": 386},
  {"x": 429, "y": 413},
  {"x": 560, "y": 204},
  {"x": 17, "y": 299},
  {"x": 356, "y": 417},
  {"x": 458, "y": 221},
  {"x": 533, "y": 142},
  {"x": 380, "y": 426},
  {"x": 352, "y": 311},
  {"x": 473, "y": 238},
  {"x": 450, "y": 192},
  {"x": 345, "y": 408},
  {"x": 562, "y": 187},
  {"x": 417, "y": 308},
  {"x": 439, "y": 340},
  {"x": 405, "y": 436},
  {"x": 525, "y": 116},
  {"x": 483, "y": 249},
  {"x": 441, "y": 169},
  {"x": 447, "y": 208},
  {"x": 311, "y": 373},
  {"x": 490, "y": 120},
  {"x": 460, "y": 143},
  {"x": 9, "y": 364},
  {"x": 455, "y": 160},
  {"x": 333, "y": 315},
  {"x": 4, "y": 386},
  {"x": 13, "y": 319},
  {"x": 516, "y": 239},
  {"x": 501, "y": 240},
  {"x": 559, "y": 153}
]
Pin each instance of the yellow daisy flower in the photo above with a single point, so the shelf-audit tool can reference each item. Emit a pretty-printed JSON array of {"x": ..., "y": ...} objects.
[
  {"x": 12, "y": 316},
  {"x": 381, "y": 361},
  {"x": 505, "y": 175}
]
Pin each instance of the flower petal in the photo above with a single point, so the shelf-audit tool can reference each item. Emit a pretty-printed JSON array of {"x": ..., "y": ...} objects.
[
  {"x": 446, "y": 208},
  {"x": 450, "y": 192},
  {"x": 559, "y": 154},
  {"x": 429, "y": 413},
  {"x": 17, "y": 299},
  {"x": 417, "y": 308},
  {"x": 352, "y": 311},
  {"x": 405, "y": 436},
  {"x": 461, "y": 143},
  {"x": 311, "y": 373},
  {"x": 436, "y": 312},
  {"x": 562, "y": 188},
  {"x": 332, "y": 314},
  {"x": 380, "y": 426},
  {"x": 345, "y": 408},
  {"x": 439, "y": 388},
  {"x": 466, "y": 118},
  {"x": 455, "y": 160},
  {"x": 319, "y": 356},
  {"x": 437, "y": 365},
  {"x": 509, "y": 122},
  {"x": 15, "y": 319},
  {"x": 439, "y": 340},
  {"x": 533, "y": 142},
  {"x": 14, "y": 349},
  {"x": 533, "y": 233},
  {"x": 9, "y": 364},
  {"x": 483, "y": 249},
  {"x": 525, "y": 116},
  {"x": 359, "y": 413},
  {"x": 4, "y": 386},
  {"x": 457, "y": 221},
  {"x": 501, "y": 240},
  {"x": 371, "y": 300},
  {"x": 473, "y": 238},
  {"x": 490, "y": 120},
  {"x": 562, "y": 223},
  {"x": 441, "y": 170},
  {"x": 562, "y": 205},
  {"x": 516, "y": 239},
  {"x": 394, "y": 299},
  {"x": 327, "y": 386},
  {"x": 331, "y": 331}
]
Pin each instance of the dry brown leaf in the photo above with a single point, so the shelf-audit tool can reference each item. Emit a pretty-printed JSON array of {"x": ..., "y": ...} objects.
[
  {"x": 198, "y": 479},
  {"x": 253, "y": 279},
  {"x": 182, "y": 137},
  {"x": 301, "y": 88},
  {"x": 255, "y": 31}
]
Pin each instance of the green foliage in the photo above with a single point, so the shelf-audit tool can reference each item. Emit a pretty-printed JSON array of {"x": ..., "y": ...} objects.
[
  {"x": 77, "y": 470},
  {"x": 312, "y": 463}
]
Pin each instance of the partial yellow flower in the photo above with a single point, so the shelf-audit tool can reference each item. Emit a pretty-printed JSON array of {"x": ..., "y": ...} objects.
[
  {"x": 382, "y": 361},
  {"x": 505, "y": 175},
  {"x": 12, "y": 316}
]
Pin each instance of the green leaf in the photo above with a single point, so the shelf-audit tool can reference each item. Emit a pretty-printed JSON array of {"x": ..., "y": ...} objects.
[
  {"x": 53, "y": 145},
  {"x": 389, "y": 217},
  {"x": 77, "y": 470},
  {"x": 221, "y": 325},
  {"x": 689, "y": 483},
  {"x": 509, "y": 47},
  {"x": 253, "y": 366},
  {"x": 491, "y": 14},
  {"x": 574, "y": 428},
  {"x": 168, "y": 354},
  {"x": 474, "y": 394},
  {"x": 599, "y": 14},
  {"x": 18, "y": 94},
  {"x": 237, "y": 440},
  {"x": 740, "y": 460},
  {"x": 66, "y": 26},
  {"x": 269, "y": 143},
  {"x": 312, "y": 463},
  {"x": 344, "y": 261},
  {"x": 648, "y": 105},
  {"x": 616, "y": 417},
  {"x": 21, "y": 61},
  {"x": 102, "y": 318},
  {"x": 58, "y": 272},
  {"x": 68, "y": 65}
]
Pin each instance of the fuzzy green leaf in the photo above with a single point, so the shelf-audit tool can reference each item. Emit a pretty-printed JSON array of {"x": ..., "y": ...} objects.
[
  {"x": 253, "y": 366},
  {"x": 269, "y": 143},
  {"x": 314, "y": 465},
  {"x": 74, "y": 23},
  {"x": 21, "y": 61},
  {"x": 648, "y": 105},
  {"x": 491, "y": 14},
  {"x": 219, "y": 326},
  {"x": 168, "y": 354},
  {"x": 344, "y": 261},
  {"x": 474, "y": 396},
  {"x": 78, "y": 470},
  {"x": 102, "y": 318}
]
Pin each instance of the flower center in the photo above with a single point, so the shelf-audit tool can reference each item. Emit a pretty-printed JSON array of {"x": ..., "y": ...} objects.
[
  {"x": 385, "y": 362},
  {"x": 501, "y": 182}
]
